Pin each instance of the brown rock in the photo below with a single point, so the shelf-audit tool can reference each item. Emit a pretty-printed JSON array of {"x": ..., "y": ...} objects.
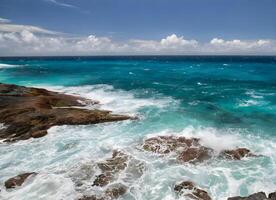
[
  {"x": 188, "y": 189},
  {"x": 237, "y": 154},
  {"x": 256, "y": 196},
  {"x": 167, "y": 144},
  {"x": 103, "y": 179},
  {"x": 187, "y": 149},
  {"x": 30, "y": 112},
  {"x": 17, "y": 180},
  {"x": 115, "y": 191},
  {"x": 195, "y": 154}
]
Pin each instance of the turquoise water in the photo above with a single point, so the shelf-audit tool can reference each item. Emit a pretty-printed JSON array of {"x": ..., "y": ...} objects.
[{"x": 228, "y": 102}]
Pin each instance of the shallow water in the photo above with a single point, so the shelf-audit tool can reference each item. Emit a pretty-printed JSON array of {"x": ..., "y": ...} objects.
[{"x": 228, "y": 102}]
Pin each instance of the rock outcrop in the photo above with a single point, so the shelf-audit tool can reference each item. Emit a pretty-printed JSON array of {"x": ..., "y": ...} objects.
[
  {"x": 188, "y": 189},
  {"x": 237, "y": 154},
  {"x": 256, "y": 196},
  {"x": 29, "y": 112},
  {"x": 119, "y": 167},
  {"x": 17, "y": 180},
  {"x": 187, "y": 149}
]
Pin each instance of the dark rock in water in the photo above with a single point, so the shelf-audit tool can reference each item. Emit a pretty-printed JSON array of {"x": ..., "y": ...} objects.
[
  {"x": 30, "y": 112},
  {"x": 112, "y": 192},
  {"x": 195, "y": 154},
  {"x": 167, "y": 144},
  {"x": 237, "y": 154},
  {"x": 17, "y": 180},
  {"x": 188, "y": 189},
  {"x": 91, "y": 198},
  {"x": 115, "y": 191},
  {"x": 256, "y": 196},
  {"x": 272, "y": 196},
  {"x": 187, "y": 149},
  {"x": 103, "y": 179},
  {"x": 110, "y": 168}
]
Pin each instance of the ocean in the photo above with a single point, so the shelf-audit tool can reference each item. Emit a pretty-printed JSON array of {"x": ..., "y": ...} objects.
[{"x": 226, "y": 101}]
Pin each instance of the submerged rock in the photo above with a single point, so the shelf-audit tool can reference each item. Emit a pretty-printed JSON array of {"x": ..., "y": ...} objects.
[
  {"x": 17, "y": 180},
  {"x": 237, "y": 154},
  {"x": 30, "y": 112},
  {"x": 188, "y": 189}
]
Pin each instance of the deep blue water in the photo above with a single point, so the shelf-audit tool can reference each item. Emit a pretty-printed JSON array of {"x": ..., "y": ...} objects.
[{"x": 222, "y": 99}]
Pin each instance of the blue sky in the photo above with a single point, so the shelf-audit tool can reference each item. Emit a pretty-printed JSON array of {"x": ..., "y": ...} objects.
[{"x": 143, "y": 23}]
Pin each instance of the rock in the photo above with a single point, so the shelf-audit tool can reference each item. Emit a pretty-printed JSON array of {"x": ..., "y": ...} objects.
[
  {"x": 187, "y": 149},
  {"x": 195, "y": 154},
  {"x": 256, "y": 196},
  {"x": 115, "y": 191},
  {"x": 272, "y": 196},
  {"x": 91, "y": 198},
  {"x": 17, "y": 180},
  {"x": 237, "y": 154},
  {"x": 167, "y": 144},
  {"x": 30, "y": 112},
  {"x": 110, "y": 167},
  {"x": 188, "y": 189},
  {"x": 103, "y": 179}
]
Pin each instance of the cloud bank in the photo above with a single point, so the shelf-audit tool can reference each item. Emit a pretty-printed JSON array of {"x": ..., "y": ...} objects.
[{"x": 27, "y": 40}]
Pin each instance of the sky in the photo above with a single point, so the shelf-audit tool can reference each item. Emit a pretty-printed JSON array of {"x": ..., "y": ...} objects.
[{"x": 137, "y": 27}]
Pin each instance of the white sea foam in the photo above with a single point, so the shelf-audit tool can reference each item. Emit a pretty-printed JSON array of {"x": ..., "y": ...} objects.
[
  {"x": 3, "y": 66},
  {"x": 116, "y": 100},
  {"x": 62, "y": 156}
]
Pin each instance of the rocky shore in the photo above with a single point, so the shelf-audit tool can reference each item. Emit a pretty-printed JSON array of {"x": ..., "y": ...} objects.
[{"x": 29, "y": 112}]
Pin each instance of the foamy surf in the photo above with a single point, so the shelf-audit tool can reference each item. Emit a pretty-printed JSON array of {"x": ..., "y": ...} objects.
[
  {"x": 6, "y": 66},
  {"x": 168, "y": 102}
]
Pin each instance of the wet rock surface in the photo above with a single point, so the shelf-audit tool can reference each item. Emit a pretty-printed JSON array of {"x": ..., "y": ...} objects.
[
  {"x": 188, "y": 189},
  {"x": 18, "y": 180},
  {"x": 29, "y": 112},
  {"x": 110, "y": 170},
  {"x": 189, "y": 149},
  {"x": 256, "y": 196},
  {"x": 237, "y": 154}
]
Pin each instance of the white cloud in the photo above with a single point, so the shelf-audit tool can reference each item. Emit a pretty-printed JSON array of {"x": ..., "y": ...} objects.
[
  {"x": 175, "y": 41},
  {"x": 31, "y": 40}
]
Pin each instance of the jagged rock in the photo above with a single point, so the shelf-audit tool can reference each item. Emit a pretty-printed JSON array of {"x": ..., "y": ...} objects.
[
  {"x": 91, "y": 198},
  {"x": 237, "y": 154},
  {"x": 272, "y": 196},
  {"x": 17, "y": 180},
  {"x": 167, "y": 144},
  {"x": 256, "y": 196},
  {"x": 195, "y": 154},
  {"x": 115, "y": 191},
  {"x": 30, "y": 112},
  {"x": 103, "y": 179},
  {"x": 187, "y": 149},
  {"x": 188, "y": 189}
]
